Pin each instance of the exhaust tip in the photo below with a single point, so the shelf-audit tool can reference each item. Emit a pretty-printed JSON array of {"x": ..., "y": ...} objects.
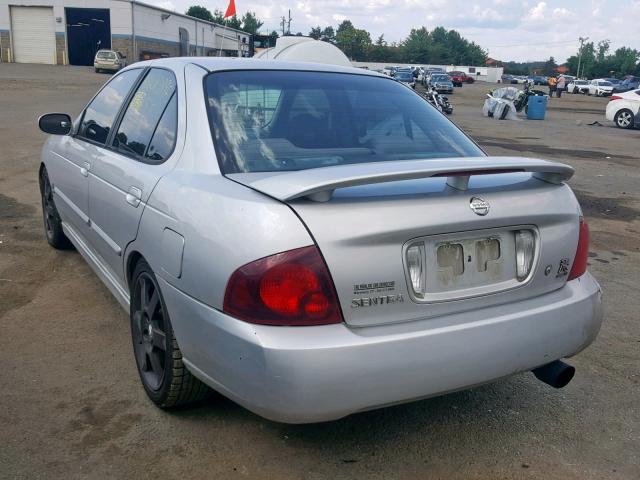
[{"x": 557, "y": 374}]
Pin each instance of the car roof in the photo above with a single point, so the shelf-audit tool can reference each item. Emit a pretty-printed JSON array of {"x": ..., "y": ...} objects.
[{"x": 213, "y": 64}]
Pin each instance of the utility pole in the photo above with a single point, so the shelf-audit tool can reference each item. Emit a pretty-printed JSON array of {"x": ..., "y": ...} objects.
[
  {"x": 289, "y": 24},
  {"x": 283, "y": 21},
  {"x": 582, "y": 40}
]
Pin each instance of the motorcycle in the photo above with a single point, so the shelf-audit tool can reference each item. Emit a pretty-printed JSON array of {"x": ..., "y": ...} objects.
[
  {"x": 439, "y": 101},
  {"x": 522, "y": 99},
  {"x": 504, "y": 102}
]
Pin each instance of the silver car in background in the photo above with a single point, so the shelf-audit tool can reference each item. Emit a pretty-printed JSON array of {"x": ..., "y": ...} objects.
[
  {"x": 313, "y": 241},
  {"x": 108, "y": 60}
]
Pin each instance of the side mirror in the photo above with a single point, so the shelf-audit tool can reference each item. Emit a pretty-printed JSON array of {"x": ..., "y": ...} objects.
[{"x": 55, "y": 123}]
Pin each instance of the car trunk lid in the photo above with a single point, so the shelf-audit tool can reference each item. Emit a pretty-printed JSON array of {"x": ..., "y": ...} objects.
[{"x": 364, "y": 218}]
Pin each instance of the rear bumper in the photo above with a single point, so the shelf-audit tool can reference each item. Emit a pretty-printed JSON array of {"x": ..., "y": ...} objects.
[
  {"x": 112, "y": 67},
  {"x": 312, "y": 374}
]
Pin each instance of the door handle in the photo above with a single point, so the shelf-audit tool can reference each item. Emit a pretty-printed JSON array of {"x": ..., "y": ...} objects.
[
  {"x": 133, "y": 196},
  {"x": 84, "y": 170}
]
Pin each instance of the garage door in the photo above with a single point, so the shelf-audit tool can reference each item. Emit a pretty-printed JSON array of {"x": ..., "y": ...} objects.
[{"x": 33, "y": 35}]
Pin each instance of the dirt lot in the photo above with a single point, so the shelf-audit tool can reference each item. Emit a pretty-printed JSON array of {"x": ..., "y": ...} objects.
[{"x": 72, "y": 406}]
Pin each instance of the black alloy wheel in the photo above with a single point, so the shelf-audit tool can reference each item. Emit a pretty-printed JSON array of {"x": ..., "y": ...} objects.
[
  {"x": 50, "y": 216},
  {"x": 149, "y": 332},
  {"x": 165, "y": 378}
]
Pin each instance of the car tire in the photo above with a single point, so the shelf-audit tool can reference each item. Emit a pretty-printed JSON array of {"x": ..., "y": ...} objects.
[
  {"x": 165, "y": 378},
  {"x": 51, "y": 218},
  {"x": 624, "y": 119}
]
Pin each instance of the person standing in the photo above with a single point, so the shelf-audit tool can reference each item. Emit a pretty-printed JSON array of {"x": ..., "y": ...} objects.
[
  {"x": 552, "y": 86},
  {"x": 560, "y": 86}
]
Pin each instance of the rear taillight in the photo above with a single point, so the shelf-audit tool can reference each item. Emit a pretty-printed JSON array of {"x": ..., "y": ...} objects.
[
  {"x": 579, "y": 266},
  {"x": 615, "y": 97},
  {"x": 289, "y": 288}
]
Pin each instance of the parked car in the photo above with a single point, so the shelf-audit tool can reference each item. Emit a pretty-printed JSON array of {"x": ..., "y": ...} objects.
[
  {"x": 430, "y": 71},
  {"x": 629, "y": 83},
  {"x": 578, "y": 86},
  {"x": 406, "y": 77},
  {"x": 458, "y": 78},
  {"x": 506, "y": 78},
  {"x": 253, "y": 219},
  {"x": 600, "y": 88},
  {"x": 539, "y": 79},
  {"x": 109, "y": 60},
  {"x": 623, "y": 109},
  {"x": 441, "y": 82},
  {"x": 613, "y": 81}
]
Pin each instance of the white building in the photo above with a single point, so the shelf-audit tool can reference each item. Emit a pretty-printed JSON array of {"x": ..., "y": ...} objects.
[{"x": 71, "y": 31}]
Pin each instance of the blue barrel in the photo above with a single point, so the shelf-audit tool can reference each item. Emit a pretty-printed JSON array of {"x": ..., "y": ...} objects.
[{"x": 537, "y": 106}]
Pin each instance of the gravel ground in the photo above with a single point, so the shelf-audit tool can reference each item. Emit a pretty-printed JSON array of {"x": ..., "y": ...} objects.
[{"x": 72, "y": 406}]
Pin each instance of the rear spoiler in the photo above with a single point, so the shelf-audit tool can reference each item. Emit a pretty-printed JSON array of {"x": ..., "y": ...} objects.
[{"x": 318, "y": 184}]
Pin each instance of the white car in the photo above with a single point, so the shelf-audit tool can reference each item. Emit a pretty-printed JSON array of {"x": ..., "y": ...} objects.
[
  {"x": 578, "y": 86},
  {"x": 623, "y": 109},
  {"x": 600, "y": 88}
]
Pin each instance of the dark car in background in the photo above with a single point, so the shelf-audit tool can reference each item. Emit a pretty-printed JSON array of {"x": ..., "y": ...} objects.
[
  {"x": 539, "y": 79},
  {"x": 406, "y": 77},
  {"x": 441, "y": 82},
  {"x": 629, "y": 83}
]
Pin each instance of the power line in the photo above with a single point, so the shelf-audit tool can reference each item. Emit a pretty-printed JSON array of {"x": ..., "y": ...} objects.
[{"x": 529, "y": 44}]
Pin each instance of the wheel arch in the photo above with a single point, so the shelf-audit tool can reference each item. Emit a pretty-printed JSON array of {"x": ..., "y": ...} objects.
[{"x": 132, "y": 260}]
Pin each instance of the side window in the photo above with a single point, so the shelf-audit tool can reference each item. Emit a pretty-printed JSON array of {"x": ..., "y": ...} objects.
[
  {"x": 143, "y": 113},
  {"x": 99, "y": 116},
  {"x": 164, "y": 138}
]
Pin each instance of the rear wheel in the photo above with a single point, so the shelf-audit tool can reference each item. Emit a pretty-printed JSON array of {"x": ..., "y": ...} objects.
[
  {"x": 624, "y": 119},
  {"x": 52, "y": 223},
  {"x": 164, "y": 376}
]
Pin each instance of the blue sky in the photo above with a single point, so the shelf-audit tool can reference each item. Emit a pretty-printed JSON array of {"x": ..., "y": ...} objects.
[{"x": 509, "y": 29}]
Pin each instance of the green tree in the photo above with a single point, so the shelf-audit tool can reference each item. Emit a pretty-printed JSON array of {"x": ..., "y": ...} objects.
[
  {"x": 232, "y": 22},
  {"x": 316, "y": 33},
  {"x": 354, "y": 42},
  {"x": 549, "y": 67},
  {"x": 251, "y": 23},
  {"x": 328, "y": 35},
  {"x": 200, "y": 12},
  {"x": 417, "y": 47}
]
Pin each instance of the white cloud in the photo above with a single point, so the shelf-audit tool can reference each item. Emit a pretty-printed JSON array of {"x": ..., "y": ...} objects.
[
  {"x": 509, "y": 29},
  {"x": 537, "y": 12},
  {"x": 166, "y": 4}
]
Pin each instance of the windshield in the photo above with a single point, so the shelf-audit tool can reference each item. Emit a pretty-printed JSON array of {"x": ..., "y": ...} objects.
[
  {"x": 605, "y": 84},
  {"x": 440, "y": 78},
  {"x": 286, "y": 120},
  {"x": 404, "y": 76}
]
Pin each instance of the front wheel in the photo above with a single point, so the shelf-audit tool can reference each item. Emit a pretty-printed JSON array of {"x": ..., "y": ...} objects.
[
  {"x": 624, "y": 119},
  {"x": 164, "y": 376}
]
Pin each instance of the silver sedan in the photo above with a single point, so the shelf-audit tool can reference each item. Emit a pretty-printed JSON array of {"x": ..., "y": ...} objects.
[{"x": 313, "y": 241}]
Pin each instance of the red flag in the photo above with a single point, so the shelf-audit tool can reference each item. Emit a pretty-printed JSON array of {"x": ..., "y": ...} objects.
[{"x": 231, "y": 9}]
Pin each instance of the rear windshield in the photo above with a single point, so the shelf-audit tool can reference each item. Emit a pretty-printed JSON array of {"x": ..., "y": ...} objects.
[
  {"x": 285, "y": 120},
  {"x": 404, "y": 75},
  {"x": 107, "y": 55},
  {"x": 605, "y": 84},
  {"x": 440, "y": 78}
]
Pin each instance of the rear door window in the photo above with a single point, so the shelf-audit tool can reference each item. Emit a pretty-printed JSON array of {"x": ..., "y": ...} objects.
[
  {"x": 143, "y": 115},
  {"x": 99, "y": 116}
]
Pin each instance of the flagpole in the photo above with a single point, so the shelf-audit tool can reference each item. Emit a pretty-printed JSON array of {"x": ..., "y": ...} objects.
[{"x": 224, "y": 31}]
